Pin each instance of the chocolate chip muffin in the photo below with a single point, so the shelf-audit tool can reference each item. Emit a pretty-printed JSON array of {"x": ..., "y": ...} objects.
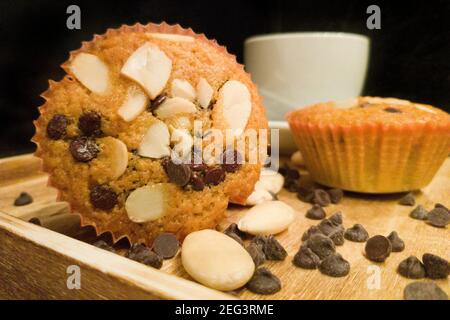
[{"x": 126, "y": 135}]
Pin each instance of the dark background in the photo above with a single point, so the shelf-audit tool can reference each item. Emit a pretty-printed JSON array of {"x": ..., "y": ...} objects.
[{"x": 410, "y": 55}]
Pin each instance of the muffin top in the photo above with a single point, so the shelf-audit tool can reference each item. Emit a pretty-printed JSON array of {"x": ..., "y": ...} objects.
[{"x": 371, "y": 110}]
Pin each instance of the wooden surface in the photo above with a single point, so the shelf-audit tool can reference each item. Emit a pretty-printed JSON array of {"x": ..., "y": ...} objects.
[{"x": 44, "y": 248}]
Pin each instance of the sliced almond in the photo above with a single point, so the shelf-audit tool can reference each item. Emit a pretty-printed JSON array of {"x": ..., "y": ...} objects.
[
  {"x": 258, "y": 196},
  {"x": 172, "y": 37},
  {"x": 270, "y": 217},
  {"x": 183, "y": 142},
  {"x": 204, "y": 93},
  {"x": 173, "y": 106},
  {"x": 147, "y": 203},
  {"x": 424, "y": 108},
  {"x": 120, "y": 157},
  {"x": 150, "y": 67},
  {"x": 180, "y": 122},
  {"x": 183, "y": 89},
  {"x": 91, "y": 72},
  {"x": 233, "y": 107},
  {"x": 135, "y": 102},
  {"x": 270, "y": 181},
  {"x": 155, "y": 143}
]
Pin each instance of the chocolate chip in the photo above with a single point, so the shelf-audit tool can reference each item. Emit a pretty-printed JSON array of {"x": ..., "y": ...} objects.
[
  {"x": 440, "y": 205},
  {"x": 23, "y": 199},
  {"x": 392, "y": 110},
  {"x": 321, "y": 198},
  {"x": 336, "y": 218},
  {"x": 235, "y": 237},
  {"x": 260, "y": 241},
  {"x": 198, "y": 167},
  {"x": 273, "y": 249},
  {"x": 357, "y": 233},
  {"x": 408, "y": 200},
  {"x": 165, "y": 245},
  {"x": 233, "y": 228},
  {"x": 305, "y": 258},
  {"x": 140, "y": 253},
  {"x": 180, "y": 174},
  {"x": 289, "y": 173},
  {"x": 102, "y": 197},
  {"x": 435, "y": 266},
  {"x": 337, "y": 237},
  {"x": 90, "y": 123},
  {"x": 398, "y": 245},
  {"x": 56, "y": 127},
  {"x": 308, "y": 233},
  {"x": 291, "y": 185},
  {"x": 231, "y": 160},
  {"x": 83, "y": 149},
  {"x": 214, "y": 176},
  {"x": 197, "y": 182},
  {"x": 328, "y": 227},
  {"x": 336, "y": 195},
  {"x": 256, "y": 253},
  {"x": 438, "y": 217},
  {"x": 103, "y": 245},
  {"x": 264, "y": 282},
  {"x": 419, "y": 213},
  {"x": 411, "y": 268},
  {"x": 378, "y": 248},
  {"x": 424, "y": 291},
  {"x": 316, "y": 213},
  {"x": 321, "y": 245},
  {"x": 155, "y": 103},
  {"x": 335, "y": 266}
]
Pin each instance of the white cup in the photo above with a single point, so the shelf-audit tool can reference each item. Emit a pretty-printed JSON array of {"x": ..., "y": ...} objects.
[{"x": 298, "y": 69}]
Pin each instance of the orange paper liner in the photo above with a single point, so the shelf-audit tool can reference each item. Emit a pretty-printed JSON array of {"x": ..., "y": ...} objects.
[{"x": 372, "y": 158}]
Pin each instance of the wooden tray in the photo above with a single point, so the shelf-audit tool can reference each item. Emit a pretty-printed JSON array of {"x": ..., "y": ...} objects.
[{"x": 34, "y": 260}]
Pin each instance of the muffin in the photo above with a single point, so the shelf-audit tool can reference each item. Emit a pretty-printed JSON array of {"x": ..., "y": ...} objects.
[
  {"x": 124, "y": 134},
  {"x": 372, "y": 145}
]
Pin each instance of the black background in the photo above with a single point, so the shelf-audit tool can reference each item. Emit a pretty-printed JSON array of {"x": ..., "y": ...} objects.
[{"x": 410, "y": 56}]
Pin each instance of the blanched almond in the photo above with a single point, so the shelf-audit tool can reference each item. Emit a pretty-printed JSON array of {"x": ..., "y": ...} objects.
[
  {"x": 155, "y": 143},
  {"x": 270, "y": 180},
  {"x": 147, "y": 203},
  {"x": 173, "y": 106},
  {"x": 183, "y": 89},
  {"x": 150, "y": 67},
  {"x": 91, "y": 72},
  {"x": 172, "y": 37},
  {"x": 119, "y": 157},
  {"x": 134, "y": 104},
  {"x": 270, "y": 217},
  {"x": 204, "y": 93},
  {"x": 183, "y": 142},
  {"x": 258, "y": 196},
  {"x": 216, "y": 260}
]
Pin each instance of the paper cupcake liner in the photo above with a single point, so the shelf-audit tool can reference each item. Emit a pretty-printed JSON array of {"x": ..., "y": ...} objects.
[
  {"x": 372, "y": 158},
  {"x": 86, "y": 45}
]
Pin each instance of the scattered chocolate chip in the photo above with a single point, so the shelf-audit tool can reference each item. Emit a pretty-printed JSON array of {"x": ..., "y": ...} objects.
[
  {"x": 311, "y": 230},
  {"x": 305, "y": 193},
  {"x": 337, "y": 237},
  {"x": 438, "y": 217},
  {"x": 305, "y": 258},
  {"x": 357, "y": 233},
  {"x": 233, "y": 228},
  {"x": 419, "y": 213},
  {"x": 289, "y": 173},
  {"x": 214, "y": 176},
  {"x": 411, "y": 268},
  {"x": 273, "y": 249},
  {"x": 435, "y": 266},
  {"x": 316, "y": 213},
  {"x": 440, "y": 205},
  {"x": 260, "y": 241},
  {"x": 56, "y": 127},
  {"x": 235, "y": 237},
  {"x": 321, "y": 198},
  {"x": 103, "y": 245},
  {"x": 90, "y": 123},
  {"x": 165, "y": 245},
  {"x": 257, "y": 254},
  {"x": 398, "y": 245},
  {"x": 407, "y": 200},
  {"x": 328, "y": 227},
  {"x": 378, "y": 248},
  {"x": 264, "y": 282},
  {"x": 180, "y": 174},
  {"x": 424, "y": 291},
  {"x": 83, "y": 149},
  {"x": 321, "y": 245},
  {"x": 155, "y": 103},
  {"x": 336, "y": 195},
  {"x": 336, "y": 218},
  {"x": 392, "y": 110},
  {"x": 231, "y": 160},
  {"x": 23, "y": 199},
  {"x": 291, "y": 185},
  {"x": 140, "y": 253},
  {"x": 335, "y": 266},
  {"x": 102, "y": 197},
  {"x": 197, "y": 182}
]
